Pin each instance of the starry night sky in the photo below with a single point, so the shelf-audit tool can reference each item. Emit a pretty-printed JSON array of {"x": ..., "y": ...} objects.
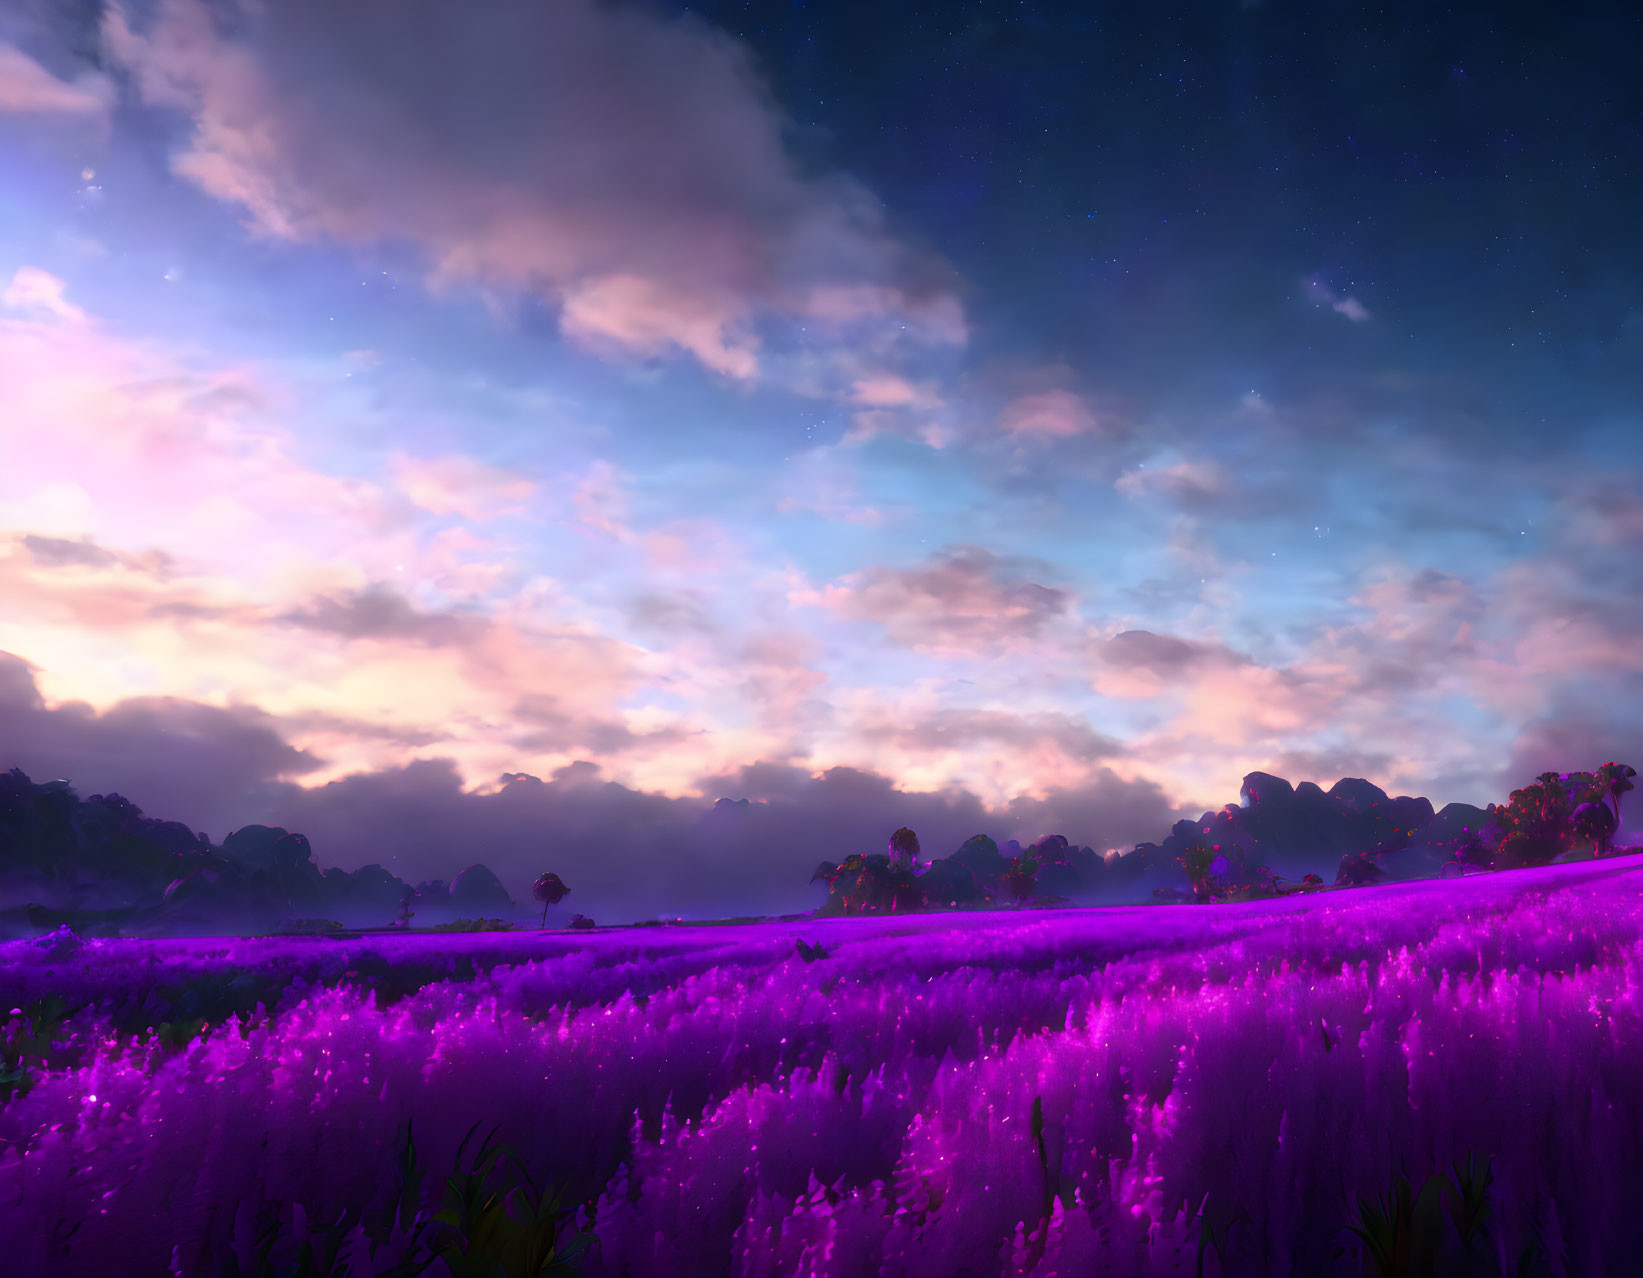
[{"x": 495, "y": 431}]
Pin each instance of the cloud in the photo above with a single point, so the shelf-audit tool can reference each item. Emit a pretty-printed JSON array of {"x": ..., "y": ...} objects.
[
  {"x": 601, "y": 502},
  {"x": 34, "y": 290},
  {"x": 950, "y": 729},
  {"x": 1341, "y": 303},
  {"x": 888, "y": 390},
  {"x": 627, "y": 313},
  {"x": 557, "y": 728},
  {"x": 673, "y": 612},
  {"x": 627, "y": 854},
  {"x": 464, "y": 486},
  {"x": 27, "y": 88},
  {"x": 964, "y": 596},
  {"x": 822, "y": 482},
  {"x": 1187, "y": 482},
  {"x": 625, "y": 165},
  {"x": 1054, "y": 414},
  {"x": 60, "y": 552},
  {"x": 380, "y": 612},
  {"x": 1575, "y": 737},
  {"x": 173, "y": 757},
  {"x": 1161, "y": 654}
]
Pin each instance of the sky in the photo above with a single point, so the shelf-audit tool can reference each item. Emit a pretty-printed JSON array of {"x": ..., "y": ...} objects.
[{"x": 499, "y": 431}]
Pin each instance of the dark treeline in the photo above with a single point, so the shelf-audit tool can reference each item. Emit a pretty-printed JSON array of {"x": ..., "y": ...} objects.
[
  {"x": 1276, "y": 842},
  {"x": 100, "y": 865}
]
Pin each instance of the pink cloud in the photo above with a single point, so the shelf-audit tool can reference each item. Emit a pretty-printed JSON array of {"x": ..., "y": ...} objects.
[
  {"x": 644, "y": 317},
  {"x": 28, "y": 88},
  {"x": 601, "y": 502},
  {"x": 643, "y": 183},
  {"x": 887, "y": 390},
  {"x": 1342, "y": 303},
  {"x": 32, "y": 289},
  {"x": 462, "y": 486},
  {"x": 961, "y": 598},
  {"x": 1049, "y": 414},
  {"x": 1186, "y": 481}
]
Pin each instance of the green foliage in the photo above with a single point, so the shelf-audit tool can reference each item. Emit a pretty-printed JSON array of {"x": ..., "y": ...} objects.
[
  {"x": 176, "y": 1035},
  {"x": 1215, "y": 1221},
  {"x": 317, "y": 1255},
  {"x": 1468, "y": 1203},
  {"x": 30, "y": 1035},
  {"x": 502, "y": 1230},
  {"x": 493, "y": 1222},
  {"x": 1402, "y": 1231}
]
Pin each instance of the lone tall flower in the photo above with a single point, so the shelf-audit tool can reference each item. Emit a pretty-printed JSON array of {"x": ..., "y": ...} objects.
[{"x": 550, "y": 890}]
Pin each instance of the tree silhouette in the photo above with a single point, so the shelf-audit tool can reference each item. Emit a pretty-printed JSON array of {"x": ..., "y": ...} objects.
[
  {"x": 903, "y": 847},
  {"x": 1197, "y": 859},
  {"x": 1594, "y": 821},
  {"x": 871, "y": 891},
  {"x": 1534, "y": 825},
  {"x": 1615, "y": 779},
  {"x": 550, "y": 890},
  {"x": 904, "y": 889},
  {"x": 1021, "y": 878}
]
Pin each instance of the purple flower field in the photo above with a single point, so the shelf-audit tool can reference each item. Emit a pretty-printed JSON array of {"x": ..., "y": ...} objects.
[{"x": 1160, "y": 1089}]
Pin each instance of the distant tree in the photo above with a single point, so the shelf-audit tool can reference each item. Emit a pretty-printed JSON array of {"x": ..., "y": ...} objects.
[
  {"x": 1594, "y": 821},
  {"x": 406, "y": 913},
  {"x": 1616, "y": 781},
  {"x": 1470, "y": 850},
  {"x": 1358, "y": 871},
  {"x": 846, "y": 890},
  {"x": 948, "y": 882},
  {"x": 1052, "y": 849},
  {"x": 1534, "y": 825},
  {"x": 903, "y": 847},
  {"x": 1021, "y": 877},
  {"x": 1198, "y": 860},
  {"x": 904, "y": 890},
  {"x": 1519, "y": 850},
  {"x": 550, "y": 890},
  {"x": 867, "y": 884}
]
